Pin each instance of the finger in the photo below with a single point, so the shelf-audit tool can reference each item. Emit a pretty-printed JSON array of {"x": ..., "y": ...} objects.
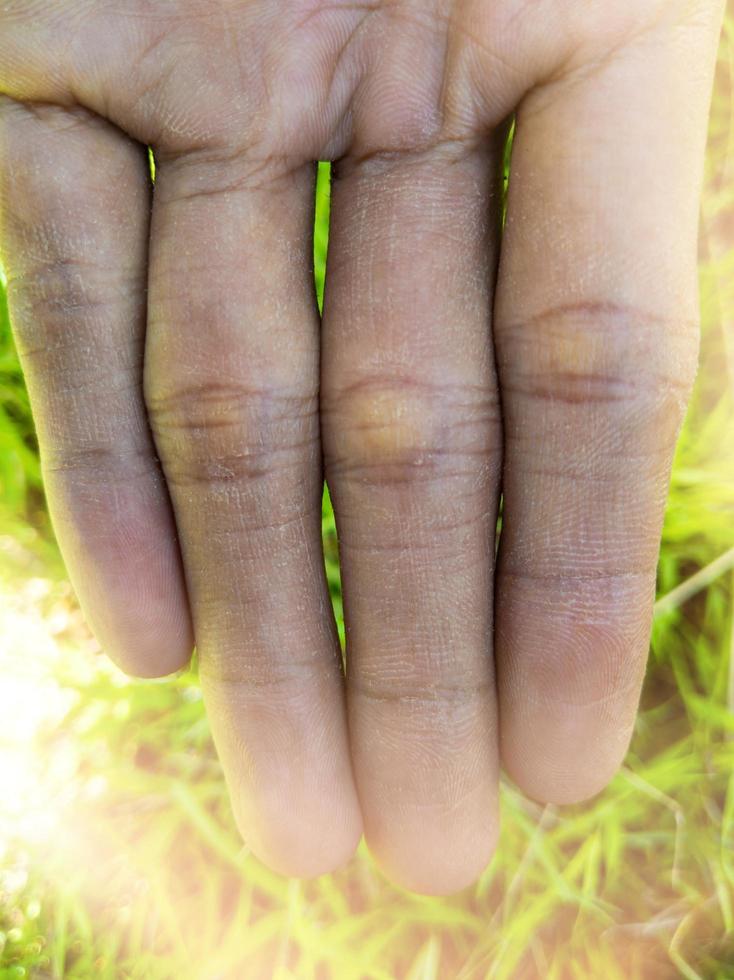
[
  {"x": 596, "y": 344},
  {"x": 412, "y": 449},
  {"x": 232, "y": 391},
  {"x": 75, "y": 201}
]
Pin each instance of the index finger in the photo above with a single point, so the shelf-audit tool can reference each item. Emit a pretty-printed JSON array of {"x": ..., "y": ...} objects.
[{"x": 596, "y": 338}]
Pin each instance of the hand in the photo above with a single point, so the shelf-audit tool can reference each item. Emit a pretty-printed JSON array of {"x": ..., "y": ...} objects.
[{"x": 186, "y": 391}]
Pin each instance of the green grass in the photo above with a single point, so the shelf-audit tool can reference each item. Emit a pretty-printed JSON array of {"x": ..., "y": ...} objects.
[{"x": 118, "y": 853}]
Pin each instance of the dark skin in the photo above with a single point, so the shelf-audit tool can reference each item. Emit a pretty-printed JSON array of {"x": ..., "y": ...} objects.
[{"x": 189, "y": 399}]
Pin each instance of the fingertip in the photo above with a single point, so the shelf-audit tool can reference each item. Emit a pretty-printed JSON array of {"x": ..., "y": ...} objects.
[
  {"x": 559, "y": 771},
  {"x": 572, "y": 654},
  {"x": 310, "y": 841},
  {"x": 148, "y": 647},
  {"x": 441, "y": 879},
  {"x": 150, "y": 664},
  {"x": 121, "y": 550},
  {"x": 437, "y": 867}
]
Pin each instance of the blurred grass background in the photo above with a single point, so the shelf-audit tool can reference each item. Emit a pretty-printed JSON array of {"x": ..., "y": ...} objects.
[{"x": 118, "y": 854}]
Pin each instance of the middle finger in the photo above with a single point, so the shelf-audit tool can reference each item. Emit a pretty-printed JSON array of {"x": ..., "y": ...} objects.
[{"x": 412, "y": 447}]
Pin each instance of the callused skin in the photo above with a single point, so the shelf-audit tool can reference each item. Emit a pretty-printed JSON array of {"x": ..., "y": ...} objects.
[{"x": 189, "y": 399}]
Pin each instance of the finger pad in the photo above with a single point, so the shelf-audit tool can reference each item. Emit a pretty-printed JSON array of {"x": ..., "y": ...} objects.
[{"x": 120, "y": 545}]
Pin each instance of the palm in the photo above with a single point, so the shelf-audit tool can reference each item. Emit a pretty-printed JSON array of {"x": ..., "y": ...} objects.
[
  {"x": 309, "y": 79},
  {"x": 189, "y": 398}
]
